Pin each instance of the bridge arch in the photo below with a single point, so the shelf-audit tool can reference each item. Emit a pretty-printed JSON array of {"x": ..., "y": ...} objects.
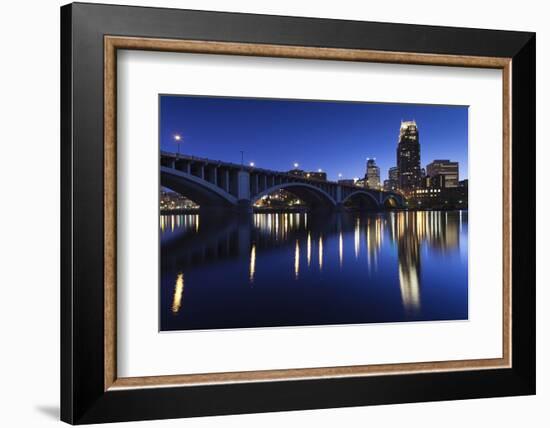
[
  {"x": 363, "y": 199},
  {"x": 310, "y": 194},
  {"x": 392, "y": 201},
  {"x": 200, "y": 191}
]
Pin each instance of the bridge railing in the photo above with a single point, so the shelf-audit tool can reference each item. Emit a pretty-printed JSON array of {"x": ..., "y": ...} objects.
[{"x": 254, "y": 169}]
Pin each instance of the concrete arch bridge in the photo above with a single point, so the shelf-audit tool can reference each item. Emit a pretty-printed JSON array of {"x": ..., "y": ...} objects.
[{"x": 223, "y": 185}]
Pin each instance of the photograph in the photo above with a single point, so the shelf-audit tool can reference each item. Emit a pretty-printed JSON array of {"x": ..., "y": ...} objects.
[
  {"x": 287, "y": 212},
  {"x": 270, "y": 209}
]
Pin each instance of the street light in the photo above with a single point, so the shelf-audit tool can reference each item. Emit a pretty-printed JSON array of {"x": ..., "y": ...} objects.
[
  {"x": 296, "y": 165},
  {"x": 178, "y": 139},
  {"x": 339, "y": 175},
  {"x": 319, "y": 170},
  {"x": 252, "y": 164}
]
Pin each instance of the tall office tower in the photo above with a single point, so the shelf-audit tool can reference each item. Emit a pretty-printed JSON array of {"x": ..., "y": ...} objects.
[
  {"x": 372, "y": 176},
  {"x": 408, "y": 157},
  {"x": 445, "y": 168},
  {"x": 392, "y": 183}
]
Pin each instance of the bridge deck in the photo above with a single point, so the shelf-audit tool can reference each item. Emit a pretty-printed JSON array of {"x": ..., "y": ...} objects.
[{"x": 257, "y": 170}]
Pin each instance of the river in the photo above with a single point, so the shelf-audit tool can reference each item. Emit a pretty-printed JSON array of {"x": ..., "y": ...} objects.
[{"x": 302, "y": 269}]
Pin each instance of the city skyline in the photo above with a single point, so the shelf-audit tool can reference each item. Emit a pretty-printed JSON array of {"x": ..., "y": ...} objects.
[
  {"x": 276, "y": 134},
  {"x": 266, "y": 221}
]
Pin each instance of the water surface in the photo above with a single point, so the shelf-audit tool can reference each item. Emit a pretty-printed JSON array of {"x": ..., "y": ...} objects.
[{"x": 297, "y": 269}]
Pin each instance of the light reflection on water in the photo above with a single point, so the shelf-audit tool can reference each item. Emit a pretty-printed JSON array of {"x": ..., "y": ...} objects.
[
  {"x": 178, "y": 293},
  {"x": 377, "y": 267},
  {"x": 252, "y": 263}
]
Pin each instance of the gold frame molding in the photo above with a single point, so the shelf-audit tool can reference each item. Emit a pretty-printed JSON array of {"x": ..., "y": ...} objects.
[{"x": 113, "y": 43}]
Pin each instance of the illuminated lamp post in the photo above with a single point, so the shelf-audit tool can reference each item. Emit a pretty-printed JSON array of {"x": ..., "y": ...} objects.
[{"x": 178, "y": 139}]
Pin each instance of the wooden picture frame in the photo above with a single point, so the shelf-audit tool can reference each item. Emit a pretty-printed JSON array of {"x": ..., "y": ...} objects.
[{"x": 91, "y": 390}]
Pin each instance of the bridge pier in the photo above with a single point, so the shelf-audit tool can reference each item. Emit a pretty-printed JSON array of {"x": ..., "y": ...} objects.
[
  {"x": 225, "y": 186},
  {"x": 339, "y": 207},
  {"x": 243, "y": 185},
  {"x": 244, "y": 206}
]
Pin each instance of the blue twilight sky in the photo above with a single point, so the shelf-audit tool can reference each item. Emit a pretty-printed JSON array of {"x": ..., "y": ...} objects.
[{"x": 337, "y": 137}]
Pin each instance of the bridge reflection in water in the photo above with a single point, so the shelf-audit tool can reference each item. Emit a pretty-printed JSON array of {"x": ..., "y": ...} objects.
[{"x": 290, "y": 269}]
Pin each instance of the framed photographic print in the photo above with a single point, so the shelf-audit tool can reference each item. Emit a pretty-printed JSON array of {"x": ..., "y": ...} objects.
[{"x": 265, "y": 213}]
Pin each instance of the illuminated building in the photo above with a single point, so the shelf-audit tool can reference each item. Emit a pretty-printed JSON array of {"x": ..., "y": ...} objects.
[
  {"x": 347, "y": 182},
  {"x": 439, "y": 198},
  {"x": 317, "y": 175},
  {"x": 445, "y": 168},
  {"x": 436, "y": 181},
  {"x": 297, "y": 172},
  {"x": 408, "y": 157},
  {"x": 392, "y": 183},
  {"x": 360, "y": 182},
  {"x": 172, "y": 201},
  {"x": 372, "y": 176}
]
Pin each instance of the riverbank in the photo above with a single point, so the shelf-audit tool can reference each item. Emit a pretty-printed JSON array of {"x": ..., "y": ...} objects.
[
  {"x": 305, "y": 210},
  {"x": 180, "y": 211}
]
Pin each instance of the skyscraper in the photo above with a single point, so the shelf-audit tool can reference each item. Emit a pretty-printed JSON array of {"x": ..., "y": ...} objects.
[
  {"x": 445, "y": 168},
  {"x": 392, "y": 183},
  {"x": 372, "y": 176},
  {"x": 408, "y": 157}
]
